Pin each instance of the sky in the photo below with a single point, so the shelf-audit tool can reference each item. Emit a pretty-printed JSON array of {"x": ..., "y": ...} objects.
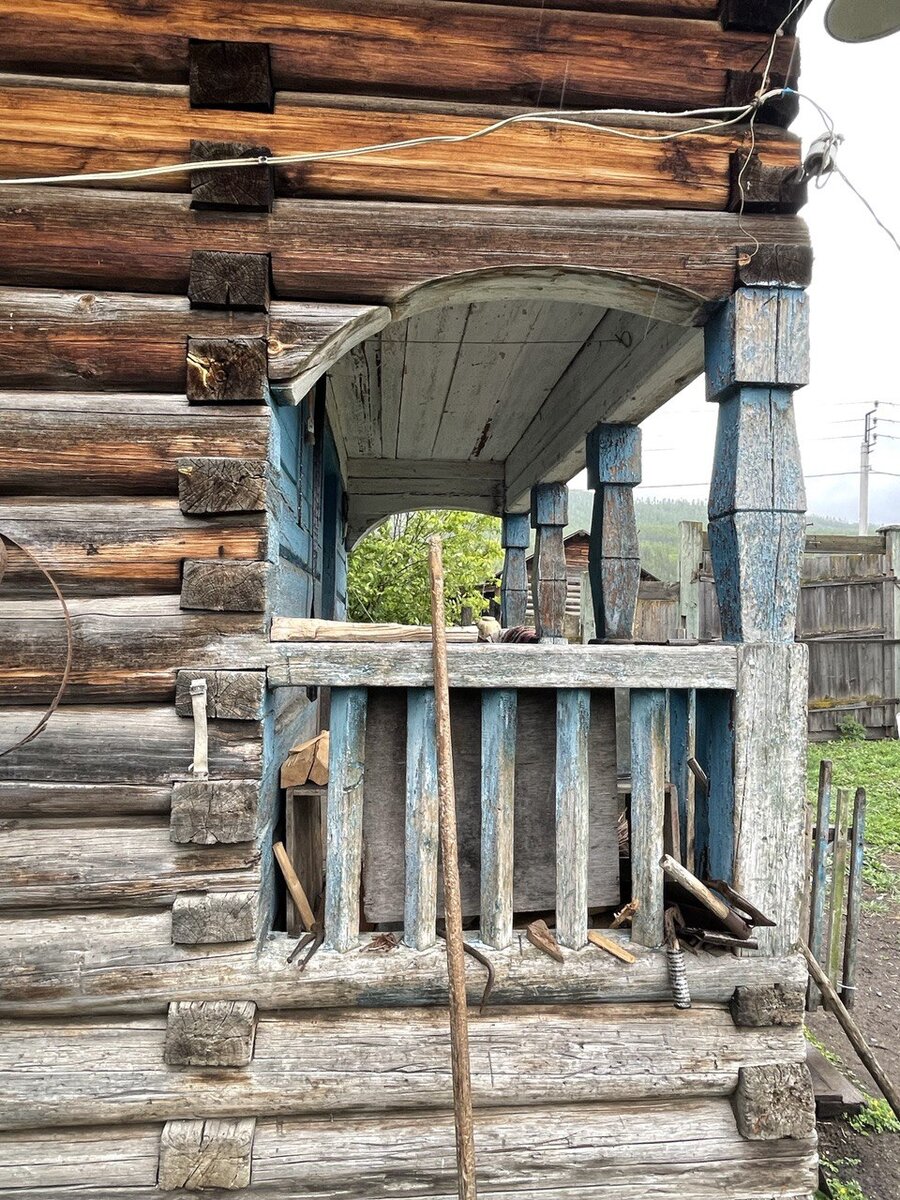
[{"x": 854, "y": 305}]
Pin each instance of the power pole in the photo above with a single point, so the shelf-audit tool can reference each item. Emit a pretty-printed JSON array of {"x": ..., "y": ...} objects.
[{"x": 865, "y": 451}]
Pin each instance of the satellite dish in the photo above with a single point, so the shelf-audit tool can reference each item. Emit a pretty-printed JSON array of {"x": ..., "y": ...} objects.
[{"x": 862, "y": 20}]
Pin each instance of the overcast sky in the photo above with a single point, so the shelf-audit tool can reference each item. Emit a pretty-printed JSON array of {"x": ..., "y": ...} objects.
[{"x": 855, "y": 311}]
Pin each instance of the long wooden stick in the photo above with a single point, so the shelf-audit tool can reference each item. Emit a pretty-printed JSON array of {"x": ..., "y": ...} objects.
[
  {"x": 456, "y": 965},
  {"x": 853, "y": 1031},
  {"x": 854, "y": 898},
  {"x": 294, "y": 886}
]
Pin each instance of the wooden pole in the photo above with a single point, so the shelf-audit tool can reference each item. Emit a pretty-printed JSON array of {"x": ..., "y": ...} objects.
[
  {"x": 456, "y": 966},
  {"x": 819, "y": 876},
  {"x": 838, "y": 884},
  {"x": 854, "y": 898},
  {"x": 853, "y": 1031}
]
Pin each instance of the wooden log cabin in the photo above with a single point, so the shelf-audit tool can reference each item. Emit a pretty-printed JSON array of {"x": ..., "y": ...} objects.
[{"x": 212, "y": 382}]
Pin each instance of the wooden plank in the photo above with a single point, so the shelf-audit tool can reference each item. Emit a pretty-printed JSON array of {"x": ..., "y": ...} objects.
[
  {"x": 506, "y": 666},
  {"x": 294, "y": 1064},
  {"x": 381, "y": 253},
  {"x": 346, "y": 768},
  {"x": 498, "y": 769},
  {"x": 305, "y": 630},
  {"x": 116, "y": 444},
  {"x": 819, "y": 878},
  {"x": 573, "y": 718},
  {"x": 421, "y": 843},
  {"x": 118, "y": 546},
  {"x": 98, "y": 341},
  {"x": 125, "y": 961},
  {"x": 838, "y": 888},
  {"x": 427, "y": 49},
  {"x": 648, "y": 777},
  {"x": 305, "y": 842},
  {"x": 682, "y": 747},
  {"x": 715, "y": 801},
  {"x": 835, "y": 1095},
  {"x": 854, "y": 898}
]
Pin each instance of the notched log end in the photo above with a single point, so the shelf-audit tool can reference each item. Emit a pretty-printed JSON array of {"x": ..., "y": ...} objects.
[
  {"x": 249, "y": 188},
  {"x": 760, "y": 1007},
  {"x": 227, "y": 370},
  {"x": 234, "y": 75},
  {"x": 757, "y": 187},
  {"x": 775, "y": 1102}
]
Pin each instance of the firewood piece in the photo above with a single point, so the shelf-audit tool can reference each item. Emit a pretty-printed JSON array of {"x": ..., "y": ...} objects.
[
  {"x": 318, "y": 772},
  {"x": 223, "y": 279},
  {"x": 294, "y": 886},
  {"x": 227, "y": 370},
  {"x": 539, "y": 935},
  {"x": 247, "y": 189},
  {"x": 741, "y": 903},
  {"x": 610, "y": 946},
  {"x": 716, "y": 905},
  {"x": 296, "y": 767},
  {"x": 231, "y": 75}
]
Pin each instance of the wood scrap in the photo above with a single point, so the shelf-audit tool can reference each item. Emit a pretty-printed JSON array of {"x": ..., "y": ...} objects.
[
  {"x": 538, "y": 933},
  {"x": 716, "y": 905},
  {"x": 302, "y": 629},
  {"x": 307, "y": 762},
  {"x": 741, "y": 903},
  {"x": 624, "y": 915},
  {"x": 596, "y": 938},
  {"x": 294, "y": 886}
]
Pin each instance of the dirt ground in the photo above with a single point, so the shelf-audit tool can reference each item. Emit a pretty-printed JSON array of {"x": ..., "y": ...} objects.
[{"x": 873, "y": 1161}]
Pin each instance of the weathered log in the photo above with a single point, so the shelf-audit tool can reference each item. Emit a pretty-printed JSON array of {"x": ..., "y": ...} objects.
[
  {"x": 205, "y": 918},
  {"x": 761, "y": 1006},
  {"x": 30, "y": 800},
  {"x": 212, "y": 812},
  {"x": 230, "y": 75},
  {"x": 230, "y": 695},
  {"x": 221, "y": 485},
  {"x": 775, "y": 1101},
  {"x": 249, "y": 188},
  {"x": 117, "y": 547},
  {"x": 206, "y": 1154},
  {"x": 220, "y": 585},
  {"x": 220, "y": 279},
  {"x": 227, "y": 370},
  {"x": 98, "y": 239},
  {"x": 296, "y": 1064}
]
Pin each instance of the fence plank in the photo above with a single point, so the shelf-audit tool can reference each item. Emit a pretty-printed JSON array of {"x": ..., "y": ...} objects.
[
  {"x": 420, "y": 911},
  {"x": 838, "y": 885},
  {"x": 346, "y": 769},
  {"x": 648, "y": 781},
  {"x": 819, "y": 877},
  {"x": 498, "y": 776},
  {"x": 682, "y": 739},
  {"x": 854, "y": 897},
  {"x": 573, "y": 721}
]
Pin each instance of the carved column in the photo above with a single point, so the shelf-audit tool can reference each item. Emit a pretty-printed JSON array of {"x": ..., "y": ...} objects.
[
  {"x": 514, "y": 537},
  {"x": 549, "y": 511},
  {"x": 614, "y": 469},
  {"x": 756, "y": 355}
]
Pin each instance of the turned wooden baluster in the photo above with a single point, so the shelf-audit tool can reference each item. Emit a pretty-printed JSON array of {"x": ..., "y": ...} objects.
[
  {"x": 613, "y": 456},
  {"x": 549, "y": 511}
]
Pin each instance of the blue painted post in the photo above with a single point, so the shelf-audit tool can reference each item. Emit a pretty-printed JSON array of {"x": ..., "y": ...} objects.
[
  {"x": 648, "y": 810},
  {"x": 343, "y": 857},
  {"x": 498, "y": 779},
  {"x": 682, "y": 747},
  {"x": 854, "y": 898},
  {"x": 714, "y": 809},
  {"x": 422, "y": 830},
  {"x": 514, "y": 537},
  {"x": 613, "y": 456},
  {"x": 549, "y": 512},
  {"x": 573, "y": 723},
  {"x": 819, "y": 879}
]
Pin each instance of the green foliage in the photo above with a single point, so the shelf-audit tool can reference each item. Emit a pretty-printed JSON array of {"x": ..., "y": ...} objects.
[
  {"x": 876, "y": 1117},
  {"x": 388, "y": 571},
  {"x": 820, "y": 1046},
  {"x": 840, "y": 1189},
  {"x": 851, "y": 730}
]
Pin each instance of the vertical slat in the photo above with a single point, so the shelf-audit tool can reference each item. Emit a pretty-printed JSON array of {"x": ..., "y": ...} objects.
[
  {"x": 714, "y": 809},
  {"x": 422, "y": 830},
  {"x": 573, "y": 722},
  {"x": 498, "y": 777},
  {"x": 648, "y": 782},
  {"x": 838, "y": 885},
  {"x": 819, "y": 877},
  {"x": 690, "y": 553},
  {"x": 682, "y": 748},
  {"x": 549, "y": 508},
  {"x": 346, "y": 771},
  {"x": 854, "y": 897},
  {"x": 613, "y": 460},
  {"x": 514, "y": 538}
]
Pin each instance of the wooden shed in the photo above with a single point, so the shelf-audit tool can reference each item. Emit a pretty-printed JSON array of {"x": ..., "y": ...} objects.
[{"x": 212, "y": 381}]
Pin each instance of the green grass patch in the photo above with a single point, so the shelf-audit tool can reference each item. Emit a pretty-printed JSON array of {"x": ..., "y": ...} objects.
[
  {"x": 876, "y": 767},
  {"x": 876, "y": 1117}
]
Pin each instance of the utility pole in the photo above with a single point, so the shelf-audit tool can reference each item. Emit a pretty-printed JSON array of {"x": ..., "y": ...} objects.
[{"x": 865, "y": 451}]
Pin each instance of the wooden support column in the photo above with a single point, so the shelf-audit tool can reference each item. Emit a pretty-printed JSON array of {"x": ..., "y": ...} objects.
[
  {"x": 420, "y": 911},
  {"x": 549, "y": 512},
  {"x": 346, "y": 768},
  {"x": 498, "y": 778},
  {"x": 648, "y": 807},
  {"x": 756, "y": 355},
  {"x": 613, "y": 457},
  {"x": 573, "y": 724},
  {"x": 892, "y": 616},
  {"x": 690, "y": 561},
  {"x": 514, "y": 584}
]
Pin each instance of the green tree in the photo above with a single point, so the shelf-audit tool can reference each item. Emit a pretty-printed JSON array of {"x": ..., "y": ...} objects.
[{"x": 388, "y": 571}]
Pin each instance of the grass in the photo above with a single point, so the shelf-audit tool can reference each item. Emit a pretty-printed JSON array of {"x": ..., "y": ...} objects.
[{"x": 876, "y": 767}]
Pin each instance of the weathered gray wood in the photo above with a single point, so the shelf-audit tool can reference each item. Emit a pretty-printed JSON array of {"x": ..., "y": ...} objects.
[
  {"x": 421, "y": 842},
  {"x": 206, "y": 1154},
  {"x": 29, "y": 799},
  {"x": 838, "y": 888},
  {"x": 210, "y": 1033},
  {"x": 758, "y": 1007},
  {"x": 227, "y": 370},
  {"x": 613, "y": 456},
  {"x": 573, "y": 719},
  {"x": 346, "y": 772},
  {"x": 222, "y": 279},
  {"x": 514, "y": 538},
  {"x": 854, "y": 899},
  {"x": 690, "y": 562},
  {"x": 230, "y": 695},
  {"x": 774, "y": 1102},
  {"x": 764, "y": 187},
  {"x": 759, "y": 338},
  {"x": 757, "y": 466},
  {"x": 769, "y": 786},
  {"x": 549, "y": 508},
  {"x": 648, "y": 782},
  {"x": 498, "y": 785},
  {"x": 230, "y": 74},
  {"x": 201, "y": 918},
  {"x": 212, "y": 811},
  {"x": 220, "y": 485},
  {"x": 126, "y": 962},
  {"x": 220, "y": 585},
  {"x": 506, "y": 666}
]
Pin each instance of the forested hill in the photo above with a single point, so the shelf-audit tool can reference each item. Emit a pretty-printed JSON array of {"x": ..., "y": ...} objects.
[{"x": 658, "y": 527}]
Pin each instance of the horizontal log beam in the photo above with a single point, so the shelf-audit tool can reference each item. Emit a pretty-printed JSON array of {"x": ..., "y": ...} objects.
[
  {"x": 131, "y": 966},
  {"x": 122, "y": 127},
  {"x": 506, "y": 666},
  {"x": 526, "y": 55},
  {"x": 380, "y": 253},
  {"x": 68, "y": 1073},
  {"x": 94, "y": 342}
]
